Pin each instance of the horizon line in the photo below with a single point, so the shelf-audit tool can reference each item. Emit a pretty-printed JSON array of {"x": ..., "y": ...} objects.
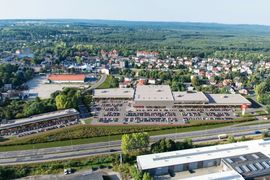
[{"x": 143, "y": 21}]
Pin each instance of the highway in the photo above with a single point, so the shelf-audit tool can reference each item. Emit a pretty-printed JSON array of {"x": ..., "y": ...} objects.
[{"x": 75, "y": 151}]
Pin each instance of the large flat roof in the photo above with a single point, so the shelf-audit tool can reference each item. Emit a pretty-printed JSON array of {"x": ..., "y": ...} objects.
[
  {"x": 163, "y": 93},
  {"x": 202, "y": 154},
  {"x": 39, "y": 118},
  {"x": 114, "y": 93},
  {"x": 231, "y": 99},
  {"x": 153, "y": 93},
  {"x": 227, "y": 175},
  {"x": 190, "y": 97}
]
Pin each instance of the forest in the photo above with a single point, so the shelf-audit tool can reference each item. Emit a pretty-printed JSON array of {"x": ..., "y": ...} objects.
[{"x": 64, "y": 37}]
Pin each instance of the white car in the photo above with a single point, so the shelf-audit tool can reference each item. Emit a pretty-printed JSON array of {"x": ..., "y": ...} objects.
[{"x": 67, "y": 171}]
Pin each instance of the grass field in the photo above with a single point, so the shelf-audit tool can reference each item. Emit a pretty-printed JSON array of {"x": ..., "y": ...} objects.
[
  {"x": 15, "y": 147},
  {"x": 106, "y": 83},
  {"x": 87, "y": 121},
  {"x": 254, "y": 123}
]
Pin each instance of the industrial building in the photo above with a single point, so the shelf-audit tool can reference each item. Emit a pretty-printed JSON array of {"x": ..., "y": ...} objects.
[{"x": 242, "y": 160}]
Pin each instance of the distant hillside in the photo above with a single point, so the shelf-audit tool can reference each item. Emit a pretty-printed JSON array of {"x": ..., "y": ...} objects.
[{"x": 140, "y": 24}]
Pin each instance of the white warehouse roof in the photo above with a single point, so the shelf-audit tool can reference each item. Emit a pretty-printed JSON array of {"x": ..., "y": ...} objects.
[
  {"x": 114, "y": 93},
  {"x": 232, "y": 99},
  {"x": 161, "y": 93},
  {"x": 153, "y": 93},
  {"x": 166, "y": 159},
  {"x": 190, "y": 97}
]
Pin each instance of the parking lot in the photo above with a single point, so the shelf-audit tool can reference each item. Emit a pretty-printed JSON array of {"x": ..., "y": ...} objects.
[
  {"x": 211, "y": 113},
  {"x": 122, "y": 112},
  {"x": 38, "y": 85},
  {"x": 34, "y": 128},
  {"x": 108, "y": 111}
]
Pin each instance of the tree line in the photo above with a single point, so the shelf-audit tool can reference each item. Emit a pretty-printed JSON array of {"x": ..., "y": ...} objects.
[{"x": 67, "y": 98}]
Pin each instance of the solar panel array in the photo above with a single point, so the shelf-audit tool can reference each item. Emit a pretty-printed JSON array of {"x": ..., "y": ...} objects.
[
  {"x": 255, "y": 156},
  {"x": 238, "y": 170},
  {"x": 259, "y": 166},
  {"x": 253, "y": 167},
  {"x": 242, "y": 158},
  {"x": 244, "y": 167},
  {"x": 229, "y": 160},
  {"x": 250, "y": 165}
]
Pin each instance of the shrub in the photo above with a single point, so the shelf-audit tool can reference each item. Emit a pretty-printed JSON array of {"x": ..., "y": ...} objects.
[{"x": 91, "y": 131}]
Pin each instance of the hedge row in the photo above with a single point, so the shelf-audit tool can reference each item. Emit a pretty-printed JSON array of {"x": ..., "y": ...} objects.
[{"x": 90, "y": 131}]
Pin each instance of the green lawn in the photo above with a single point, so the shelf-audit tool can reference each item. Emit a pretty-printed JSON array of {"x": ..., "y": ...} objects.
[
  {"x": 254, "y": 123},
  {"x": 106, "y": 138},
  {"x": 261, "y": 112},
  {"x": 106, "y": 83},
  {"x": 59, "y": 143},
  {"x": 196, "y": 122},
  {"x": 88, "y": 121}
]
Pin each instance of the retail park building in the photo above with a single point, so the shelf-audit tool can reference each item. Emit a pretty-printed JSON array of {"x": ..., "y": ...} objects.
[{"x": 160, "y": 98}]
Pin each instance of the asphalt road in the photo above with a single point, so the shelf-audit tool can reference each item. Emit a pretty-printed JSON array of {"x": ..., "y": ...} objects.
[
  {"x": 75, "y": 151},
  {"x": 98, "y": 83}
]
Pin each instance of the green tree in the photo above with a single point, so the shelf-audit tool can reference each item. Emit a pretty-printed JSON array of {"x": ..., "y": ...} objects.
[
  {"x": 243, "y": 138},
  {"x": 134, "y": 143},
  {"x": 231, "y": 139},
  {"x": 268, "y": 108},
  {"x": 61, "y": 101},
  {"x": 114, "y": 82},
  {"x": 34, "y": 108},
  {"x": 262, "y": 92},
  {"x": 163, "y": 145},
  {"x": 78, "y": 59},
  {"x": 186, "y": 144},
  {"x": 223, "y": 90},
  {"x": 87, "y": 99},
  {"x": 135, "y": 173},
  {"x": 68, "y": 98},
  {"x": 195, "y": 81},
  {"x": 147, "y": 176},
  {"x": 265, "y": 134}
]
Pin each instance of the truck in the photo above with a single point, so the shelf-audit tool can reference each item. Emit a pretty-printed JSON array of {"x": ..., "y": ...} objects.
[{"x": 223, "y": 136}]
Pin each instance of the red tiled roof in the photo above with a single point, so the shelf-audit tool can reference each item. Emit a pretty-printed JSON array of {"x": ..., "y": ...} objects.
[{"x": 66, "y": 77}]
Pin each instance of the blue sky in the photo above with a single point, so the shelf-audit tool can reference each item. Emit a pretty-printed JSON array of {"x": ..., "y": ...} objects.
[{"x": 220, "y": 11}]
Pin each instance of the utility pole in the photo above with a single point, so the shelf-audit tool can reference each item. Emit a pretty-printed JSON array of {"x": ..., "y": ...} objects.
[
  {"x": 109, "y": 144},
  {"x": 121, "y": 158}
]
